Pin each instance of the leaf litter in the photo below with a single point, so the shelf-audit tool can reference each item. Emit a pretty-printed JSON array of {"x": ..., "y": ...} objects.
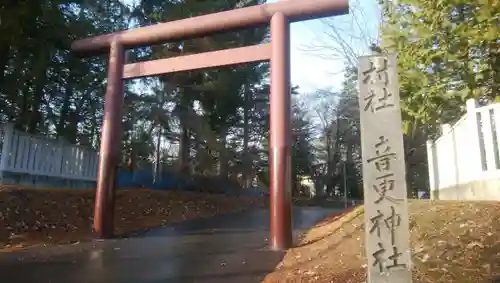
[
  {"x": 31, "y": 217},
  {"x": 452, "y": 241}
]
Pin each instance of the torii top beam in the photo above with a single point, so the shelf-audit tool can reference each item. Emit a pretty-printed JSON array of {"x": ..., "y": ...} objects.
[{"x": 294, "y": 10}]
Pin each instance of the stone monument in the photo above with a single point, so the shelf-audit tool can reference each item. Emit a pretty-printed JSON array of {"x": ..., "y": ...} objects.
[{"x": 386, "y": 212}]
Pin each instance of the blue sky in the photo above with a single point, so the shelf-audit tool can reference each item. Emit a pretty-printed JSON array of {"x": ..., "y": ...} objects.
[
  {"x": 323, "y": 68},
  {"x": 311, "y": 71}
]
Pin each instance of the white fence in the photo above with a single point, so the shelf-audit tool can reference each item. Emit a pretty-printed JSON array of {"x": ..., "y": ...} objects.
[
  {"x": 467, "y": 151},
  {"x": 22, "y": 153}
]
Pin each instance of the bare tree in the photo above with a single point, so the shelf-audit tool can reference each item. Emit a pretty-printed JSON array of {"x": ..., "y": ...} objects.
[
  {"x": 346, "y": 38},
  {"x": 337, "y": 130}
]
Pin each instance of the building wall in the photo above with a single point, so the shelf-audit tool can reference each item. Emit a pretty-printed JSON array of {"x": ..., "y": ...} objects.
[
  {"x": 464, "y": 162},
  {"x": 486, "y": 189}
]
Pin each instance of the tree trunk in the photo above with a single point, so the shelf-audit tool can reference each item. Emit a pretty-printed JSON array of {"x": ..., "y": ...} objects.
[
  {"x": 61, "y": 125},
  {"x": 4, "y": 59},
  {"x": 246, "y": 137},
  {"x": 17, "y": 90},
  {"x": 40, "y": 82},
  {"x": 157, "y": 158},
  {"x": 71, "y": 130},
  {"x": 494, "y": 62},
  {"x": 333, "y": 158},
  {"x": 184, "y": 149},
  {"x": 184, "y": 137},
  {"x": 94, "y": 132},
  {"x": 223, "y": 155}
]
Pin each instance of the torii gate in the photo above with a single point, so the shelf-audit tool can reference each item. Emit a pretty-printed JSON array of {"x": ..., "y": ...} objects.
[{"x": 279, "y": 15}]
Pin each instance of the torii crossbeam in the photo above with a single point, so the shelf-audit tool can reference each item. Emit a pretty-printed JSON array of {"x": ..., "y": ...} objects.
[{"x": 279, "y": 15}]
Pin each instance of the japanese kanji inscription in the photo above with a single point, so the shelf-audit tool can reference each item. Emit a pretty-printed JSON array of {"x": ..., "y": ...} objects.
[{"x": 386, "y": 212}]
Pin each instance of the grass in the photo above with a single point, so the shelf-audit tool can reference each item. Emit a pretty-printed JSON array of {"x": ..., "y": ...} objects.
[{"x": 451, "y": 241}]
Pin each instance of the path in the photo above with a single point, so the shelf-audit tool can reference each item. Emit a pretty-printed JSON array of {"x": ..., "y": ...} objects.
[{"x": 227, "y": 248}]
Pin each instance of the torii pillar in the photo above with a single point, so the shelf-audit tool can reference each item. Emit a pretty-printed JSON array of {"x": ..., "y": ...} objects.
[{"x": 279, "y": 15}]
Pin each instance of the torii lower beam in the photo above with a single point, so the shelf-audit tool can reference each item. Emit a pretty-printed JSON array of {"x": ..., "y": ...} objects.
[
  {"x": 255, "y": 53},
  {"x": 279, "y": 15}
]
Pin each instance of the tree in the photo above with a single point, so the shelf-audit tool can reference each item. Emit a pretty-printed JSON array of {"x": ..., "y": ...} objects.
[
  {"x": 43, "y": 88},
  {"x": 447, "y": 52},
  {"x": 302, "y": 149},
  {"x": 344, "y": 39},
  {"x": 218, "y": 94},
  {"x": 337, "y": 116}
]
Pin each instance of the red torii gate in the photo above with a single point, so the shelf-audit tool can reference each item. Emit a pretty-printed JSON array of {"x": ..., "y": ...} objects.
[{"x": 279, "y": 15}]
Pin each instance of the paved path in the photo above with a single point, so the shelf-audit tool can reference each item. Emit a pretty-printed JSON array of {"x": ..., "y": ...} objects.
[{"x": 229, "y": 248}]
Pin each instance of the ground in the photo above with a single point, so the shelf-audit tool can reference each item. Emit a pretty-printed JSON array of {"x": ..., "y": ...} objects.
[
  {"x": 451, "y": 242},
  {"x": 30, "y": 217}
]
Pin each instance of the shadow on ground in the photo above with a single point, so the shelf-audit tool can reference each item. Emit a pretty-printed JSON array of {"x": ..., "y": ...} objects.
[{"x": 226, "y": 248}]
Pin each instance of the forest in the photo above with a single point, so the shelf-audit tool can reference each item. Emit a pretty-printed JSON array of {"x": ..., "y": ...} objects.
[{"x": 213, "y": 124}]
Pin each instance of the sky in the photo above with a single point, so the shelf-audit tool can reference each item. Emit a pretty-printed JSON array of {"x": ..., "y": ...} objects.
[
  {"x": 323, "y": 69},
  {"x": 310, "y": 70}
]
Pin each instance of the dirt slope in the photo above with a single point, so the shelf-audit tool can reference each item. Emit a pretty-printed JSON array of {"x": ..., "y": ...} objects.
[
  {"x": 34, "y": 216},
  {"x": 451, "y": 241}
]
